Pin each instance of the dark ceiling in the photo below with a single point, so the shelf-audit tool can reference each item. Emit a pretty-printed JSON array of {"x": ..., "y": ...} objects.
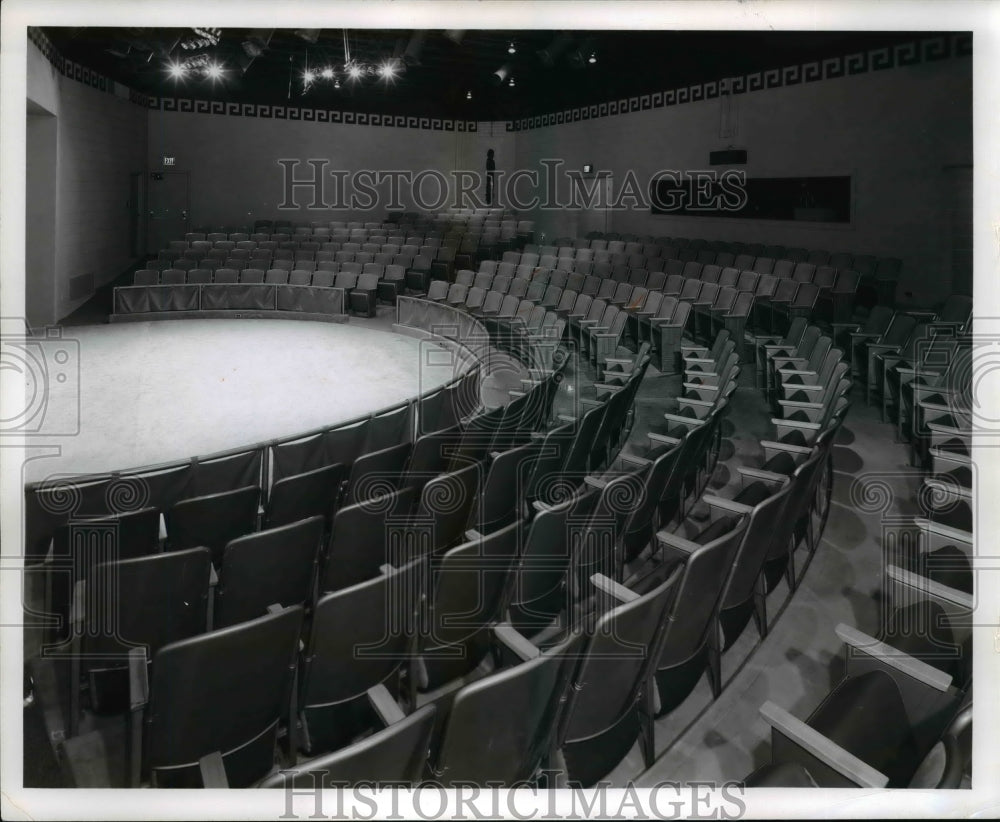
[{"x": 448, "y": 65}]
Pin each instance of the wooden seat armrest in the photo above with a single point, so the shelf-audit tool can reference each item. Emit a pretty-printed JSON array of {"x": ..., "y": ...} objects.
[
  {"x": 213, "y": 771},
  {"x": 662, "y": 439},
  {"x": 385, "y": 706},
  {"x": 515, "y": 641},
  {"x": 615, "y": 589},
  {"x": 762, "y": 475},
  {"x": 817, "y": 745},
  {"x": 861, "y": 643}
]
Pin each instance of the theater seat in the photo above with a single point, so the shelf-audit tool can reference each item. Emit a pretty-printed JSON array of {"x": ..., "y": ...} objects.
[
  {"x": 221, "y": 692},
  {"x": 212, "y": 520},
  {"x": 393, "y": 756},
  {"x": 276, "y": 566}
]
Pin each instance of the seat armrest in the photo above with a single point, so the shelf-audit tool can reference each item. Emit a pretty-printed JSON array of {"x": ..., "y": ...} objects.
[
  {"x": 794, "y": 404},
  {"x": 761, "y": 474},
  {"x": 680, "y": 544},
  {"x": 609, "y": 586},
  {"x": 725, "y": 506},
  {"x": 817, "y": 745},
  {"x": 942, "y": 593},
  {"x": 941, "y": 530},
  {"x": 78, "y": 606},
  {"x": 515, "y": 641},
  {"x": 779, "y": 423},
  {"x": 771, "y": 446},
  {"x": 862, "y": 643},
  {"x": 385, "y": 706},
  {"x": 213, "y": 771},
  {"x": 138, "y": 678}
]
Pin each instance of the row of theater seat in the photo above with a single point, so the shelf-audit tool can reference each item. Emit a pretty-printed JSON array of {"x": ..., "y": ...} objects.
[
  {"x": 327, "y": 610},
  {"x": 908, "y": 688},
  {"x": 588, "y": 755}
]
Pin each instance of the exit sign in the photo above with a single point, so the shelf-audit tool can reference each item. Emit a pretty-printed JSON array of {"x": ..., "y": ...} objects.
[{"x": 168, "y": 161}]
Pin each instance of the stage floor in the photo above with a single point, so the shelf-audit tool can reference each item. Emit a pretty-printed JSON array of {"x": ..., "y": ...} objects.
[{"x": 158, "y": 392}]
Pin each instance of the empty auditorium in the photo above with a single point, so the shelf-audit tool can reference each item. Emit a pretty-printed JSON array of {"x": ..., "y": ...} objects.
[{"x": 536, "y": 407}]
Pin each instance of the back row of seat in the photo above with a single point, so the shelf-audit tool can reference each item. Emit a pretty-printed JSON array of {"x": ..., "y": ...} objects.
[{"x": 301, "y": 274}]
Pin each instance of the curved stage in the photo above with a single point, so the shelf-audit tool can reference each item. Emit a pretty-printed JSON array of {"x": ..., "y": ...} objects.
[{"x": 156, "y": 392}]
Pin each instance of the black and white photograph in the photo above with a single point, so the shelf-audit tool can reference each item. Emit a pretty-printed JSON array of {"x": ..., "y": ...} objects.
[{"x": 482, "y": 410}]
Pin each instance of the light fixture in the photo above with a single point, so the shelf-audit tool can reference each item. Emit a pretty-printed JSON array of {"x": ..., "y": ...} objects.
[
  {"x": 336, "y": 83},
  {"x": 512, "y": 49},
  {"x": 177, "y": 71},
  {"x": 499, "y": 77},
  {"x": 468, "y": 95},
  {"x": 308, "y": 76},
  {"x": 200, "y": 39},
  {"x": 387, "y": 70},
  {"x": 354, "y": 71},
  {"x": 327, "y": 73},
  {"x": 551, "y": 52},
  {"x": 214, "y": 71},
  {"x": 511, "y": 82},
  {"x": 414, "y": 48},
  {"x": 582, "y": 53}
]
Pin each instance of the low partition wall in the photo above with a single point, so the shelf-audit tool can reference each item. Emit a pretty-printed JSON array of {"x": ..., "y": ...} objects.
[
  {"x": 535, "y": 350},
  {"x": 137, "y": 303}
]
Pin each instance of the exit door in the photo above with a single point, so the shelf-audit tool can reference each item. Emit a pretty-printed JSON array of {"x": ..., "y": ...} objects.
[
  {"x": 167, "y": 195},
  {"x": 593, "y": 197}
]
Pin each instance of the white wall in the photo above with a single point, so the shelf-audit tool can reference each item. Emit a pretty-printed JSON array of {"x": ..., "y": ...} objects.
[
  {"x": 100, "y": 139},
  {"x": 40, "y": 216},
  {"x": 236, "y": 178},
  {"x": 893, "y": 131}
]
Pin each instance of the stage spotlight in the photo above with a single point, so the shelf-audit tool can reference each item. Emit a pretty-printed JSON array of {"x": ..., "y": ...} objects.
[
  {"x": 257, "y": 42},
  {"x": 354, "y": 71},
  {"x": 176, "y": 70},
  {"x": 592, "y": 59},
  {"x": 308, "y": 76},
  {"x": 411, "y": 57},
  {"x": 511, "y": 84},
  {"x": 578, "y": 58},
  {"x": 550, "y": 53},
  {"x": 214, "y": 71},
  {"x": 468, "y": 95},
  {"x": 499, "y": 77},
  {"x": 328, "y": 73},
  {"x": 512, "y": 49},
  {"x": 336, "y": 83},
  {"x": 387, "y": 70}
]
